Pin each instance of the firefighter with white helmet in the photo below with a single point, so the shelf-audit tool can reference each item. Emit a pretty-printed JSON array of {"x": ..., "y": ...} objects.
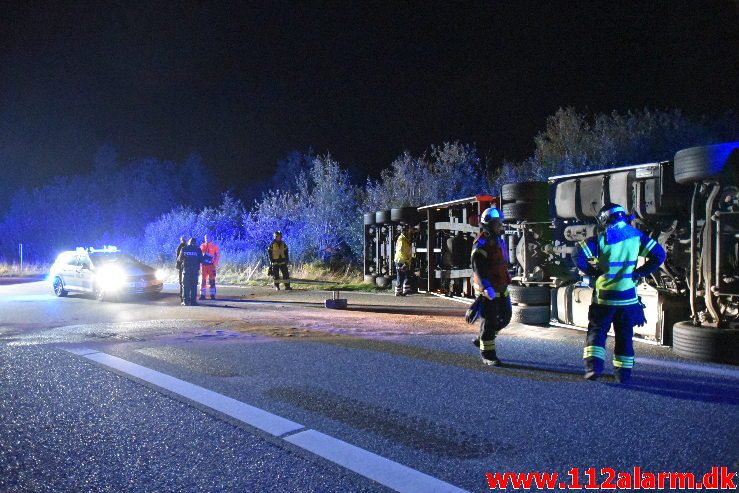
[
  {"x": 491, "y": 279},
  {"x": 611, "y": 259}
]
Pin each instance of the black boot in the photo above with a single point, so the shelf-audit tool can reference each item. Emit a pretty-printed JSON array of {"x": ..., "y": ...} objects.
[
  {"x": 476, "y": 341},
  {"x": 593, "y": 368},
  {"x": 489, "y": 358},
  {"x": 623, "y": 375}
]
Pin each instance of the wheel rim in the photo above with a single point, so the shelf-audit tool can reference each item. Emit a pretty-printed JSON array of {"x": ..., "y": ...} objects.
[{"x": 57, "y": 286}]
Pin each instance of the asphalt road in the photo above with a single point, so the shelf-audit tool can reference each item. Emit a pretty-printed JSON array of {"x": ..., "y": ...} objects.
[{"x": 265, "y": 391}]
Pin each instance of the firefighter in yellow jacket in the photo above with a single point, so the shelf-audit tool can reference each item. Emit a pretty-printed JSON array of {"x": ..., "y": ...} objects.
[
  {"x": 278, "y": 260},
  {"x": 403, "y": 256}
]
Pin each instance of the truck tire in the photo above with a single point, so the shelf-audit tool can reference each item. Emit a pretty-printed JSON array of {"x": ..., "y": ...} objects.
[
  {"x": 529, "y": 295},
  {"x": 705, "y": 343},
  {"x": 698, "y": 163},
  {"x": 527, "y": 191},
  {"x": 369, "y": 278},
  {"x": 406, "y": 215},
  {"x": 525, "y": 211},
  {"x": 531, "y": 315},
  {"x": 383, "y": 281},
  {"x": 382, "y": 217},
  {"x": 369, "y": 218}
]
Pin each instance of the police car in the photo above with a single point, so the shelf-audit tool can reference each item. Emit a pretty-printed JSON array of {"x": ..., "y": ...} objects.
[{"x": 106, "y": 272}]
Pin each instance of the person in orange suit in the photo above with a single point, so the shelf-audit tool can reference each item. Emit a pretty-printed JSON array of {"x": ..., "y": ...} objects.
[{"x": 211, "y": 256}]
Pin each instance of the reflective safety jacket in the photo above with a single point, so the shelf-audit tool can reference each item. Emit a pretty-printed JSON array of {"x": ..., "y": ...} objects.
[
  {"x": 612, "y": 257},
  {"x": 277, "y": 252},
  {"x": 490, "y": 264},
  {"x": 403, "y": 251},
  {"x": 211, "y": 253}
]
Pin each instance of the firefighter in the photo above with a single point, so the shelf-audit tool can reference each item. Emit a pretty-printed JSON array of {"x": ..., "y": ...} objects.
[
  {"x": 611, "y": 259},
  {"x": 190, "y": 257},
  {"x": 278, "y": 259},
  {"x": 211, "y": 256},
  {"x": 403, "y": 256},
  {"x": 178, "y": 264},
  {"x": 491, "y": 279}
]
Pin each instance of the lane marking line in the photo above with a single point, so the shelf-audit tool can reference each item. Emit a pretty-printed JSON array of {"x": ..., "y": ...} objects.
[
  {"x": 723, "y": 371},
  {"x": 253, "y": 416},
  {"x": 386, "y": 472},
  {"x": 372, "y": 466}
]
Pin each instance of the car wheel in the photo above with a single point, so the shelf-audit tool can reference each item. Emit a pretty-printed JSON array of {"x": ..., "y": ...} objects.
[
  {"x": 99, "y": 294},
  {"x": 531, "y": 315},
  {"x": 698, "y": 163},
  {"x": 705, "y": 343},
  {"x": 524, "y": 191},
  {"x": 59, "y": 288},
  {"x": 529, "y": 295}
]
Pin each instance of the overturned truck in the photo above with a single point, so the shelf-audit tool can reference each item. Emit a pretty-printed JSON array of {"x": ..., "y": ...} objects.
[{"x": 690, "y": 205}]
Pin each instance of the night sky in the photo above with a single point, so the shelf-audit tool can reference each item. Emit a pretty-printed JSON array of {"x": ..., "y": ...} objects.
[{"x": 243, "y": 86}]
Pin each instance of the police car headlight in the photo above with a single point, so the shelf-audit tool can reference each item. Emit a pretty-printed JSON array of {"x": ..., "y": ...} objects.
[
  {"x": 161, "y": 274},
  {"x": 111, "y": 278}
]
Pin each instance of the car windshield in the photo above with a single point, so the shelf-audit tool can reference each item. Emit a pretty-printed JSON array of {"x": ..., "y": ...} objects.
[{"x": 100, "y": 258}]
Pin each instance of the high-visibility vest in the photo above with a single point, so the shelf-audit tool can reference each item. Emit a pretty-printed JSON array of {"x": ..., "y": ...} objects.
[
  {"x": 210, "y": 252},
  {"x": 403, "y": 250}
]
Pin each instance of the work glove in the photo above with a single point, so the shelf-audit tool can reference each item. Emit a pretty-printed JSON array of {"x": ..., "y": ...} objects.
[{"x": 490, "y": 293}]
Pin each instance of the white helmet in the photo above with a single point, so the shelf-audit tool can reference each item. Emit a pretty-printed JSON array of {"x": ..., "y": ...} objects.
[{"x": 487, "y": 217}]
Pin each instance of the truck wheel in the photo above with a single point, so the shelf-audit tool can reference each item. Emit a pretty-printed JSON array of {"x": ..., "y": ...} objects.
[
  {"x": 705, "y": 343},
  {"x": 698, "y": 163},
  {"x": 526, "y": 191},
  {"x": 529, "y": 295},
  {"x": 382, "y": 217},
  {"x": 531, "y": 315},
  {"x": 407, "y": 215},
  {"x": 369, "y": 218},
  {"x": 525, "y": 211},
  {"x": 383, "y": 281},
  {"x": 59, "y": 288},
  {"x": 369, "y": 278}
]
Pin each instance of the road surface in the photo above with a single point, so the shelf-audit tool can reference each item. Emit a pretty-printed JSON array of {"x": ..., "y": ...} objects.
[{"x": 269, "y": 391}]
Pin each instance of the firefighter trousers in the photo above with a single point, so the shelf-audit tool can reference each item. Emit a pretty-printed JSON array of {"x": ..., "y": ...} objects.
[
  {"x": 496, "y": 314},
  {"x": 600, "y": 318}
]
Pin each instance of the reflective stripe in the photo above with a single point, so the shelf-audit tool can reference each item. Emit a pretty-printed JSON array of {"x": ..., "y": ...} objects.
[
  {"x": 622, "y": 264},
  {"x": 623, "y": 361},
  {"x": 594, "y": 352},
  {"x": 481, "y": 250},
  {"x": 632, "y": 301},
  {"x": 647, "y": 248},
  {"x": 586, "y": 249},
  {"x": 487, "y": 345}
]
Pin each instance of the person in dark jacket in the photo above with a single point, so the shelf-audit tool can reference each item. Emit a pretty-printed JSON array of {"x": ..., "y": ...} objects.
[
  {"x": 491, "y": 279},
  {"x": 191, "y": 257},
  {"x": 178, "y": 264},
  {"x": 611, "y": 259},
  {"x": 278, "y": 260}
]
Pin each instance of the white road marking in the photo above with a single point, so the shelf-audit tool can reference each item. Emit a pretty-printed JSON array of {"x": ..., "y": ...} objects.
[
  {"x": 386, "y": 472},
  {"x": 375, "y": 467},
  {"x": 723, "y": 371}
]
